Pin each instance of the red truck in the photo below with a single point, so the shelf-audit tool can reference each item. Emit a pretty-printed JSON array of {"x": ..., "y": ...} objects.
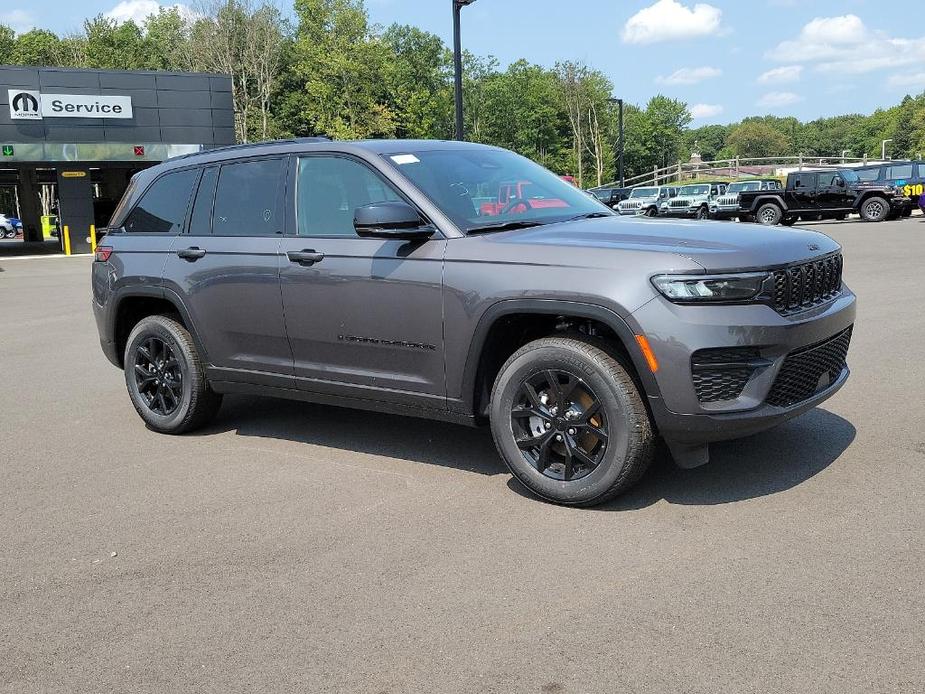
[{"x": 514, "y": 197}]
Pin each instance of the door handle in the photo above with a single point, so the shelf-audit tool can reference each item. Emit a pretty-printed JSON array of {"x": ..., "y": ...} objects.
[
  {"x": 191, "y": 254},
  {"x": 305, "y": 257}
]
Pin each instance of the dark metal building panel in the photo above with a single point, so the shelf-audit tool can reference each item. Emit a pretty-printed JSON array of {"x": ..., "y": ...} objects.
[
  {"x": 18, "y": 77},
  {"x": 220, "y": 83},
  {"x": 184, "y": 133},
  {"x": 75, "y": 79},
  {"x": 176, "y": 99},
  {"x": 222, "y": 100},
  {"x": 184, "y": 83},
  {"x": 194, "y": 117},
  {"x": 128, "y": 80},
  {"x": 224, "y": 136},
  {"x": 133, "y": 134},
  {"x": 170, "y": 108}
]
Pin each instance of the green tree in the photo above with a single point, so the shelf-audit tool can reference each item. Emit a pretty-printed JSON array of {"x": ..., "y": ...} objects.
[
  {"x": 341, "y": 66},
  {"x": 419, "y": 82},
  {"x": 757, "y": 139},
  {"x": 37, "y": 47},
  {"x": 667, "y": 119}
]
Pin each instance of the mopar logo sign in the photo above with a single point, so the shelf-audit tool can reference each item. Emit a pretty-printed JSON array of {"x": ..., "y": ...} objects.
[
  {"x": 24, "y": 105},
  {"x": 29, "y": 105}
]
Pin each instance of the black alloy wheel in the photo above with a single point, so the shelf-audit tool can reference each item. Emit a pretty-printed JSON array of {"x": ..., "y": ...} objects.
[
  {"x": 559, "y": 425},
  {"x": 158, "y": 376}
]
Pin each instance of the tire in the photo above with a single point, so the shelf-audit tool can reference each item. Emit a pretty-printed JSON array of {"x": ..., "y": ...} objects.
[
  {"x": 769, "y": 214},
  {"x": 841, "y": 216},
  {"x": 585, "y": 369},
  {"x": 191, "y": 403},
  {"x": 907, "y": 211},
  {"x": 9, "y": 233},
  {"x": 651, "y": 212},
  {"x": 788, "y": 221},
  {"x": 702, "y": 213},
  {"x": 875, "y": 209}
]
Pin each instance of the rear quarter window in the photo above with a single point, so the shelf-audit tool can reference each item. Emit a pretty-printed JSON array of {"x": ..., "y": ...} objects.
[{"x": 162, "y": 208}]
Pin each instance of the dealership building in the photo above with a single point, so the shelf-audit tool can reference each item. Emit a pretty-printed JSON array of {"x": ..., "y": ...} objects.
[{"x": 75, "y": 138}]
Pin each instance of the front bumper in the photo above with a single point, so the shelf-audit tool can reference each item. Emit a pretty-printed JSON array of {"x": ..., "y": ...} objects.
[
  {"x": 679, "y": 211},
  {"x": 676, "y": 332},
  {"x": 725, "y": 212}
]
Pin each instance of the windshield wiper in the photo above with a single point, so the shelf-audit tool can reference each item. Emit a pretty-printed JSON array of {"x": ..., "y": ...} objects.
[
  {"x": 588, "y": 215},
  {"x": 504, "y": 226}
]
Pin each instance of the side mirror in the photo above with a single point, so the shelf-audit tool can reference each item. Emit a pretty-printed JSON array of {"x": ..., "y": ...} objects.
[
  {"x": 390, "y": 220},
  {"x": 840, "y": 182}
]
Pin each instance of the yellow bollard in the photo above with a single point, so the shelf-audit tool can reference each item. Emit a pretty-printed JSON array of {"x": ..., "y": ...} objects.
[
  {"x": 67, "y": 240},
  {"x": 93, "y": 238}
]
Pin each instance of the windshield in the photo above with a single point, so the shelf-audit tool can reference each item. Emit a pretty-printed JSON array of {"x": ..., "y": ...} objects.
[
  {"x": 849, "y": 175},
  {"x": 644, "y": 192},
  {"x": 694, "y": 190},
  {"x": 478, "y": 187},
  {"x": 744, "y": 185}
]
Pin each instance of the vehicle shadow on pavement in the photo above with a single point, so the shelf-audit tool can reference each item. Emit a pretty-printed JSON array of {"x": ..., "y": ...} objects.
[
  {"x": 393, "y": 436},
  {"x": 767, "y": 463}
]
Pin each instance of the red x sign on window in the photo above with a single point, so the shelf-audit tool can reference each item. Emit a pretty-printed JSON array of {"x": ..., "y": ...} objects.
[{"x": 139, "y": 150}]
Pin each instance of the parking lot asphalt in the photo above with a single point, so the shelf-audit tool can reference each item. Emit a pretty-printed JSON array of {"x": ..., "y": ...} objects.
[{"x": 295, "y": 547}]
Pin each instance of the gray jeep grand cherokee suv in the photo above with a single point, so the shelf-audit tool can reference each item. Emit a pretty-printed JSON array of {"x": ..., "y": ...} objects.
[{"x": 463, "y": 282}]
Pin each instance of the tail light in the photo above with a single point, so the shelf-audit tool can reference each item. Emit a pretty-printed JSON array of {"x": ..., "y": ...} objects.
[{"x": 103, "y": 253}]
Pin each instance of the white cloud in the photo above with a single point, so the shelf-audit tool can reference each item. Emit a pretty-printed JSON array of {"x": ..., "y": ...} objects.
[
  {"x": 669, "y": 19},
  {"x": 781, "y": 75},
  {"x": 706, "y": 110},
  {"x": 779, "y": 99},
  {"x": 19, "y": 21},
  {"x": 689, "y": 75},
  {"x": 844, "y": 45},
  {"x": 909, "y": 79},
  {"x": 139, "y": 10}
]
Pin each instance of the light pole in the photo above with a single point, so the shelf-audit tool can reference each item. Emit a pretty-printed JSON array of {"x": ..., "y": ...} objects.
[
  {"x": 883, "y": 148},
  {"x": 619, "y": 103},
  {"x": 457, "y": 66}
]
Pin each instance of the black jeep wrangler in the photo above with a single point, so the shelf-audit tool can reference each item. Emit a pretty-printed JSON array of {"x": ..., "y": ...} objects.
[{"x": 828, "y": 194}]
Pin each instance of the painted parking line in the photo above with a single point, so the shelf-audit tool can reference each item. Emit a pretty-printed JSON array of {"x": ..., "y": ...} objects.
[{"x": 47, "y": 255}]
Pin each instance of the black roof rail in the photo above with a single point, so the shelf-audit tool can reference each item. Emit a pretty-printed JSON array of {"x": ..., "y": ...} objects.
[{"x": 262, "y": 143}]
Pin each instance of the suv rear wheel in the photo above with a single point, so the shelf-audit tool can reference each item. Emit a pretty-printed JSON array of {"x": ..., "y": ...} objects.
[
  {"x": 769, "y": 214},
  {"x": 875, "y": 209},
  {"x": 166, "y": 378},
  {"x": 569, "y": 422}
]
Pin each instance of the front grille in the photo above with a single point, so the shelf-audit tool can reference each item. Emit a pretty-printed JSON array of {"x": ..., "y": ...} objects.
[
  {"x": 728, "y": 200},
  {"x": 721, "y": 373},
  {"x": 678, "y": 203},
  {"x": 810, "y": 370},
  {"x": 803, "y": 286},
  {"x": 630, "y": 205}
]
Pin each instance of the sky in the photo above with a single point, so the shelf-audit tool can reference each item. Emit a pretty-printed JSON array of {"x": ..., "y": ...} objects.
[{"x": 726, "y": 58}]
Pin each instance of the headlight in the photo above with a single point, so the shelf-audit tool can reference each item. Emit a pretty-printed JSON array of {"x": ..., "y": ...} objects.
[{"x": 696, "y": 288}]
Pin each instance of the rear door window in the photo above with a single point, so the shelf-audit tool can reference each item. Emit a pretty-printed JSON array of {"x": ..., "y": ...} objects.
[
  {"x": 804, "y": 181},
  {"x": 899, "y": 172},
  {"x": 868, "y": 175},
  {"x": 248, "y": 197},
  {"x": 162, "y": 208}
]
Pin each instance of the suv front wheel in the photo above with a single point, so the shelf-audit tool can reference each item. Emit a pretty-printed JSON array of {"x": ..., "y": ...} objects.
[
  {"x": 166, "y": 378},
  {"x": 569, "y": 422}
]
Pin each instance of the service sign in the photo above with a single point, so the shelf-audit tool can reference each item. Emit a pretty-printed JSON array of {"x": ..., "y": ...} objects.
[{"x": 31, "y": 105}]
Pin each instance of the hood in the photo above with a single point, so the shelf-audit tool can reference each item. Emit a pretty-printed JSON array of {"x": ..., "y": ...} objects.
[{"x": 716, "y": 246}]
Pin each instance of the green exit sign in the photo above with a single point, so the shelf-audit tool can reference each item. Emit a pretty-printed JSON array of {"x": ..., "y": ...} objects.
[{"x": 8, "y": 150}]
